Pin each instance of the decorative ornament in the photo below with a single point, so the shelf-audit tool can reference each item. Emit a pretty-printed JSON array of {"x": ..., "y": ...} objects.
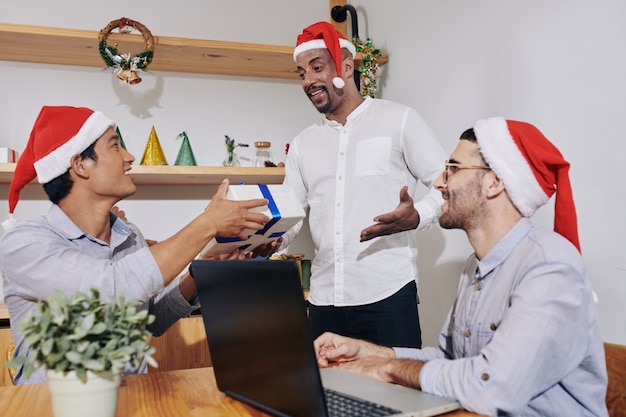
[
  {"x": 126, "y": 66},
  {"x": 119, "y": 134},
  {"x": 153, "y": 154},
  {"x": 370, "y": 66},
  {"x": 185, "y": 154},
  {"x": 231, "y": 158}
]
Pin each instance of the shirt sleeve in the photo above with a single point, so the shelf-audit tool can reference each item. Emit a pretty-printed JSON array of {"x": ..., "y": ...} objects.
[
  {"x": 293, "y": 177},
  {"x": 425, "y": 354},
  {"x": 44, "y": 260},
  {"x": 425, "y": 159},
  {"x": 169, "y": 306},
  {"x": 537, "y": 343}
]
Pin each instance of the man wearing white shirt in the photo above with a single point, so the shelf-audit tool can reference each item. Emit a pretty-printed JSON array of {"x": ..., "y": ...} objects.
[{"x": 361, "y": 163}]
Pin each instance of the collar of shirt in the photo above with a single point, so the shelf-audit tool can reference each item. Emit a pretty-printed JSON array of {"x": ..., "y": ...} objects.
[
  {"x": 64, "y": 225},
  {"x": 502, "y": 250},
  {"x": 351, "y": 117}
]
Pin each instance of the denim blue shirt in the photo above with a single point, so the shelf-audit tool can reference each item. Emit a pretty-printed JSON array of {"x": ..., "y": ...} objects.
[
  {"x": 522, "y": 338},
  {"x": 50, "y": 252}
]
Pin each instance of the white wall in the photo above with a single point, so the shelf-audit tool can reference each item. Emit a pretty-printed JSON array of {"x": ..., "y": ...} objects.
[{"x": 558, "y": 64}]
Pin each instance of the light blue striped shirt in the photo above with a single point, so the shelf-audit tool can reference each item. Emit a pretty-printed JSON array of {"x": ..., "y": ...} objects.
[
  {"x": 50, "y": 252},
  {"x": 522, "y": 338}
]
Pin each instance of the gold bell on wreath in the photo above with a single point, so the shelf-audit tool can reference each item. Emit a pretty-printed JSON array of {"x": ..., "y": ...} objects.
[
  {"x": 153, "y": 154},
  {"x": 129, "y": 77}
]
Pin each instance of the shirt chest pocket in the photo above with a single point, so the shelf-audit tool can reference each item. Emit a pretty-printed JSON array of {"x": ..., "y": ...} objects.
[{"x": 372, "y": 156}]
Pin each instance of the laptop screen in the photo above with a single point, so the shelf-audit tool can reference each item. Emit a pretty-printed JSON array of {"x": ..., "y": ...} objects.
[{"x": 258, "y": 335}]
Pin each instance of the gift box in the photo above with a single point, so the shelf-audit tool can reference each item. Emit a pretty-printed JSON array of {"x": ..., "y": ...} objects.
[
  {"x": 283, "y": 209},
  {"x": 8, "y": 155}
]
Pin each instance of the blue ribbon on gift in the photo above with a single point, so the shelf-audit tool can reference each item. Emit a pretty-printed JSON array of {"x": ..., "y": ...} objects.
[
  {"x": 271, "y": 204},
  {"x": 273, "y": 208}
]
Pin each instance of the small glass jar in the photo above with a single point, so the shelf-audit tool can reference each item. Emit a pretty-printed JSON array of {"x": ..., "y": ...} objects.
[{"x": 263, "y": 154}]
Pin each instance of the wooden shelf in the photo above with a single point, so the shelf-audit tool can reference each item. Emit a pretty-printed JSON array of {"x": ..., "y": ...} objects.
[
  {"x": 187, "y": 175},
  {"x": 48, "y": 45}
]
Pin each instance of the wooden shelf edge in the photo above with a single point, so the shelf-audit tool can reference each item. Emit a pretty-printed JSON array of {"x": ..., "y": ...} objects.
[
  {"x": 187, "y": 175},
  {"x": 49, "y": 45}
]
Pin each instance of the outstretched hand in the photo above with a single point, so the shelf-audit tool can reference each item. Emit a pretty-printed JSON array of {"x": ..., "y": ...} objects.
[
  {"x": 267, "y": 249},
  {"x": 404, "y": 217},
  {"x": 231, "y": 218}
]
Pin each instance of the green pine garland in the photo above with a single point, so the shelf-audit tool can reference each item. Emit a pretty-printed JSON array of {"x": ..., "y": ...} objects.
[{"x": 370, "y": 66}]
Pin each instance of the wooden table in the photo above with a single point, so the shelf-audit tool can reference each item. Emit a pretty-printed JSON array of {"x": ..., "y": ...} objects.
[{"x": 183, "y": 393}]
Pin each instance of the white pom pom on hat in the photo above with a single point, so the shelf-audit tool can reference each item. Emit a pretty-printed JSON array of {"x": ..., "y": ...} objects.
[{"x": 323, "y": 35}]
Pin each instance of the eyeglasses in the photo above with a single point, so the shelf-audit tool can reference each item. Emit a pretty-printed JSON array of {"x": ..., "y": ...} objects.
[{"x": 453, "y": 167}]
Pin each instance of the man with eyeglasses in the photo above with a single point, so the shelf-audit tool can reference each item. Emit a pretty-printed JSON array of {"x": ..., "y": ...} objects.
[{"x": 522, "y": 337}]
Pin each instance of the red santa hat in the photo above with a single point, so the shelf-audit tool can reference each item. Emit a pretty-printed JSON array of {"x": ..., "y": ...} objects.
[
  {"x": 532, "y": 170},
  {"x": 58, "y": 134},
  {"x": 323, "y": 35}
]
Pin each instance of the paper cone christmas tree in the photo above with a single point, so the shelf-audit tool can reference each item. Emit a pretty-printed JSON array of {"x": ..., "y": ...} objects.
[
  {"x": 117, "y": 130},
  {"x": 153, "y": 154},
  {"x": 185, "y": 154}
]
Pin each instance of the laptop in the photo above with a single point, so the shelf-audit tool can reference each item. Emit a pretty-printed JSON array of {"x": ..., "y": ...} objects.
[{"x": 258, "y": 334}]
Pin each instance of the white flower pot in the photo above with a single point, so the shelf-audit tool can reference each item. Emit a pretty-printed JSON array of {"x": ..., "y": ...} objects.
[{"x": 73, "y": 398}]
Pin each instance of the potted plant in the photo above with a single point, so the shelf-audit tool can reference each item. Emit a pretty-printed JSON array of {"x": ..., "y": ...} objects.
[
  {"x": 84, "y": 344},
  {"x": 231, "y": 158}
]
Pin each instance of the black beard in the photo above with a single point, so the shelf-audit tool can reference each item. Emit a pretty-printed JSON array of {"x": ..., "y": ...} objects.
[
  {"x": 326, "y": 107},
  {"x": 465, "y": 207}
]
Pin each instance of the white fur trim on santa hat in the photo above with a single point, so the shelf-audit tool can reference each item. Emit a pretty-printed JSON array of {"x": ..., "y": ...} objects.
[
  {"x": 320, "y": 44},
  {"x": 58, "y": 161},
  {"x": 505, "y": 159}
]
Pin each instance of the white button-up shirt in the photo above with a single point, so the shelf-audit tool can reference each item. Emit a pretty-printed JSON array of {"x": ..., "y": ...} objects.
[{"x": 345, "y": 175}]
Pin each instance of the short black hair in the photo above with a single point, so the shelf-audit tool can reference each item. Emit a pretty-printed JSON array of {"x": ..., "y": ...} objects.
[
  {"x": 468, "y": 135},
  {"x": 58, "y": 188}
]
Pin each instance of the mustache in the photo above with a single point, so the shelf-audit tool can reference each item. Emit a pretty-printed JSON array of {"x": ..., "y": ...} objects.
[{"x": 316, "y": 87}]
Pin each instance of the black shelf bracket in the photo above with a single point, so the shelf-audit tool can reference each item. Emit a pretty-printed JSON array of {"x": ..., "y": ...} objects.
[{"x": 340, "y": 14}]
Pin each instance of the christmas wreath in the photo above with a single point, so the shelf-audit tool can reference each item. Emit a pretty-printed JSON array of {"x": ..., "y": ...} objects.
[{"x": 126, "y": 66}]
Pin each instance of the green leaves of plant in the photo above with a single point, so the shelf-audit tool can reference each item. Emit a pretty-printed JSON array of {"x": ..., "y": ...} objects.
[{"x": 81, "y": 333}]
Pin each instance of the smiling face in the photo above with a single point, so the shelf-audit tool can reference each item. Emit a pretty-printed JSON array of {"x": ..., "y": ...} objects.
[
  {"x": 109, "y": 175},
  {"x": 464, "y": 196},
  {"x": 317, "y": 69}
]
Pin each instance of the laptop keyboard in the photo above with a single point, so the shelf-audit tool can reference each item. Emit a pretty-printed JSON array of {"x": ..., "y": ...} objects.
[{"x": 340, "y": 405}]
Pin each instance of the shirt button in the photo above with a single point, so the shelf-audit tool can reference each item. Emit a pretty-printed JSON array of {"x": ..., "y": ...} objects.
[
  {"x": 493, "y": 326},
  {"x": 478, "y": 287},
  {"x": 468, "y": 333},
  {"x": 484, "y": 377}
]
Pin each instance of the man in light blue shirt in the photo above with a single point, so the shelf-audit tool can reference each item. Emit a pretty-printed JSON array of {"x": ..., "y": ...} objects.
[
  {"x": 79, "y": 244},
  {"x": 522, "y": 337}
]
